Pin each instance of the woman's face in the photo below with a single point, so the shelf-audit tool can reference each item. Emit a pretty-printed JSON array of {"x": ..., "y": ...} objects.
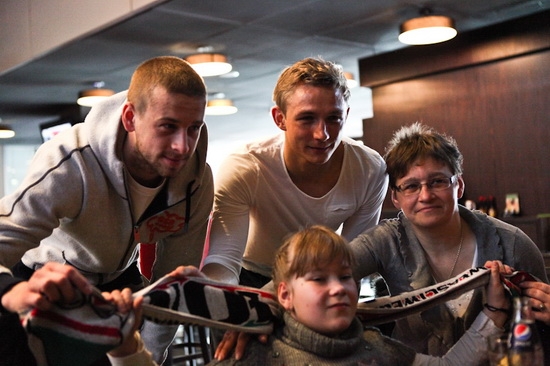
[
  {"x": 428, "y": 207},
  {"x": 324, "y": 299}
]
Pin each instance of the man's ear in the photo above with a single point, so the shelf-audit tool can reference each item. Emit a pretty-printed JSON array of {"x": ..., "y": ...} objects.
[
  {"x": 128, "y": 115},
  {"x": 394, "y": 199},
  {"x": 284, "y": 295},
  {"x": 278, "y": 117}
]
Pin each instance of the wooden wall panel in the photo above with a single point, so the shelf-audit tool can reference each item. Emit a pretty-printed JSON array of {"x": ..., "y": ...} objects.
[
  {"x": 498, "y": 112},
  {"x": 508, "y": 39}
]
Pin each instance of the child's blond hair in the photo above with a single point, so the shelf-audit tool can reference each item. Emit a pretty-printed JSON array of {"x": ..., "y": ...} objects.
[{"x": 309, "y": 249}]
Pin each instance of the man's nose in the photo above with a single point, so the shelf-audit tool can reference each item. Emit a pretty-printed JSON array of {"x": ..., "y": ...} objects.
[
  {"x": 320, "y": 132},
  {"x": 180, "y": 142}
]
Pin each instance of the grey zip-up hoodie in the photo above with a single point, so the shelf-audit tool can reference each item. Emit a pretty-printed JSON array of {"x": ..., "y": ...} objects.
[{"x": 73, "y": 207}]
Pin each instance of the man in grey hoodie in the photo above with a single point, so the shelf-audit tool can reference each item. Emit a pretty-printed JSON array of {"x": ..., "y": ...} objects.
[{"x": 130, "y": 184}]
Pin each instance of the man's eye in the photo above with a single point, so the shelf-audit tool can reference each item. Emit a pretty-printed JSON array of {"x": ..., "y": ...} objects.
[
  {"x": 306, "y": 119},
  {"x": 335, "y": 119},
  {"x": 195, "y": 129},
  {"x": 168, "y": 126}
]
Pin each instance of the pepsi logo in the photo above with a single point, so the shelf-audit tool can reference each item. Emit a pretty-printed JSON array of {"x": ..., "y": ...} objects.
[{"x": 522, "y": 332}]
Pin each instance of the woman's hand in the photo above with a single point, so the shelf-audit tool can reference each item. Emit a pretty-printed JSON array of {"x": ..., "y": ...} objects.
[{"x": 497, "y": 303}]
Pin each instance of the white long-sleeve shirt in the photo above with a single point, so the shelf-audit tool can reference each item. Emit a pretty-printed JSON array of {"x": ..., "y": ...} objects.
[{"x": 257, "y": 205}]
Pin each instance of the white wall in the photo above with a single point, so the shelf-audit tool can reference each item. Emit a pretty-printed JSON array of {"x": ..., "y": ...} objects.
[
  {"x": 30, "y": 28},
  {"x": 15, "y": 165}
]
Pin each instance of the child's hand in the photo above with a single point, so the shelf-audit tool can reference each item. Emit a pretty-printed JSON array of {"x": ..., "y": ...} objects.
[
  {"x": 186, "y": 271},
  {"x": 125, "y": 303}
]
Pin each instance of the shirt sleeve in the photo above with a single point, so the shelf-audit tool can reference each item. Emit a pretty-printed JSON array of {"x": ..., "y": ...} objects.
[
  {"x": 369, "y": 213},
  {"x": 6, "y": 283},
  {"x": 471, "y": 348},
  {"x": 374, "y": 182},
  {"x": 364, "y": 247},
  {"x": 142, "y": 357},
  {"x": 528, "y": 256},
  {"x": 235, "y": 187}
]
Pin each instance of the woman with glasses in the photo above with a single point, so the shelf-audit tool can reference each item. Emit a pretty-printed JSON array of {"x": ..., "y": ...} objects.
[{"x": 434, "y": 238}]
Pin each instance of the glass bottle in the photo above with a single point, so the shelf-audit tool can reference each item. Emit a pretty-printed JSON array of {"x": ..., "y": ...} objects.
[
  {"x": 492, "y": 210},
  {"x": 482, "y": 204},
  {"x": 524, "y": 344}
]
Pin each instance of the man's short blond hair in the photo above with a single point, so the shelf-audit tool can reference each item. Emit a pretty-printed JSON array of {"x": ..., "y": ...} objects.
[
  {"x": 310, "y": 71},
  {"x": 172, "y": 73}
]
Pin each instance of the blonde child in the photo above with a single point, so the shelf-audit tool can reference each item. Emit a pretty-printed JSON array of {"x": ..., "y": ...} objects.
[{"x": 313, "y": 278}]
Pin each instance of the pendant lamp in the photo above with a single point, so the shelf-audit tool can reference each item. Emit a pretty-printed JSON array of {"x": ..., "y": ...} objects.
[
  {"x": 427, "y": 29},
  {"x": 209, "y": 64},
  {"x": 220, "y": 107},
  {"x": 89, "y": 97},
  {"x": 6, "y": 132}
]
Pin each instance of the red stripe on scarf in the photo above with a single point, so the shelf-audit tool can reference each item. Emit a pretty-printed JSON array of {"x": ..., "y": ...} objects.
[{"x": 79, "y": 326}]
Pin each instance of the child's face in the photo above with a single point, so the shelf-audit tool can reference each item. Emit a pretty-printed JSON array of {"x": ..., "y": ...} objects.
[{"x": 324, "y": 299}]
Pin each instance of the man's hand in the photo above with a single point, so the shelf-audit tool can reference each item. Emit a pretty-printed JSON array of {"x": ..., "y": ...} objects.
[
  {"x": 235, "y": 340},
  {"x": 52, "y": 283},
  {"x": 539, "y": 299}
]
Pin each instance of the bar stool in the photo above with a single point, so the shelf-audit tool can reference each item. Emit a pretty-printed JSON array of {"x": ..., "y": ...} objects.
[{"x": 192, "y": 346}]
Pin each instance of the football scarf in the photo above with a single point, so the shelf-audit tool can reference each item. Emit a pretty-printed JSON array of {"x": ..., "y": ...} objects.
[
  {"x": 84, "y": 331},
  {"x": 388, "y": 308},
  {"x": 385, "y": 309},
  {"x": 78, "y": 333},
  {"x": 200, "y": 301}
]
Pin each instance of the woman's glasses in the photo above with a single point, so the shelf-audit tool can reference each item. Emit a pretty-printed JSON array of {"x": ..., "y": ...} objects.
[{"x": 435, "y": 184}]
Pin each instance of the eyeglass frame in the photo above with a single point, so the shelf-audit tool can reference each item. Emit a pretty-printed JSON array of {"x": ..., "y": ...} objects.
[{"x": 429, "y": 185}]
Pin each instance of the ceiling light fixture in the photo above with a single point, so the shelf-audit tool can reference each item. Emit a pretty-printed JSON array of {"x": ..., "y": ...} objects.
[
  {"x": 427, "y": 29},
  {"x": 220, "y": 107},
  {"x": 6, "y": 132},
  {"x": 352, "y": 83},
  {"x": 89, "y": 97},
  {"x": 209, "y": 64}
]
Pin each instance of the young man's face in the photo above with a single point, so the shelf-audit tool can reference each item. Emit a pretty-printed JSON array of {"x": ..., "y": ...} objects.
[
  {"x": 313, "y": 123},
  {"x": 324, "y": 299},
  {"x": 164, "y": 136}
]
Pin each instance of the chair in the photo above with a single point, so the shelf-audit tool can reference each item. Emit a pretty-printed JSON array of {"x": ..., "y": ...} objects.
[{"x": 192, "y": 346}]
